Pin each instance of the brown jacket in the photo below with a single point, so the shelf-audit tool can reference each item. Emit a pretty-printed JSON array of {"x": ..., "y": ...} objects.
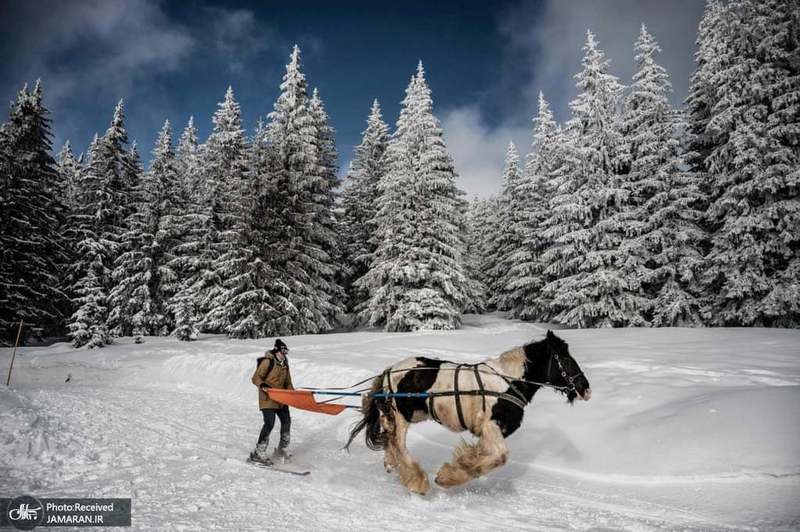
[{"x": 274, "y": 375}]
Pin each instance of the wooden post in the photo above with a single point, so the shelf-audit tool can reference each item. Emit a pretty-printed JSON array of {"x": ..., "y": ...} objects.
[{"x": 14, "y": 354}]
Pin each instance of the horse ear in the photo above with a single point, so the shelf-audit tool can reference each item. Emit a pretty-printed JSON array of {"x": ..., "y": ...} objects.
[{"x": 550, "y": 334}]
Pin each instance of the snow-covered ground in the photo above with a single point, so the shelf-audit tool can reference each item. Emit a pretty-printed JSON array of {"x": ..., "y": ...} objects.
[{"x": 686, "y": 429}]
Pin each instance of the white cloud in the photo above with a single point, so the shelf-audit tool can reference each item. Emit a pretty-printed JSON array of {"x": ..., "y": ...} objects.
[
  {"x": 550, "y": 37},
  {"x": 545, "y": 42},
  {"x": 478, "y": 150},
  {"x": 236, "y": 35},
  {"x": 118, "y": 41}
]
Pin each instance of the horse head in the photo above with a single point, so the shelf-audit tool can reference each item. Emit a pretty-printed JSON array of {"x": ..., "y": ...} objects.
[{"x": 558, "y": 368}]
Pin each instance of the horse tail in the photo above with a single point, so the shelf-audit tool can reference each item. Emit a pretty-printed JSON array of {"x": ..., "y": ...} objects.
[{"x": 371, "y": 407}]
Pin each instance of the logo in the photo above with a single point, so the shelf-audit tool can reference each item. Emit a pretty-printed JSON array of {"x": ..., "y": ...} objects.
[{"x": 25, "y": 513}]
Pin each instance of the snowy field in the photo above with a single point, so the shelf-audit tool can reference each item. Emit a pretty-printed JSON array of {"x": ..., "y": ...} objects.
[{"x": 686, "y": 429}]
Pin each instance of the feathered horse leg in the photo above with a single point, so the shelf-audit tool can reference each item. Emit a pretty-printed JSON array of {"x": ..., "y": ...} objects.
[
  {"x": 412, "y": 475},
  {"x": 390, "y": 458},
  {"x": 473, "y": 461}
]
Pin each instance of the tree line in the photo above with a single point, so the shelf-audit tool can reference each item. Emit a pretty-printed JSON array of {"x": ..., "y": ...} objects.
[
  {"x": 635, "y": 213},
  {"x": 630, "y": 213}
]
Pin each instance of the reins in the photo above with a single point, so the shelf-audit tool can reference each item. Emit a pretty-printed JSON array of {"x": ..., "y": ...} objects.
[
  {"x": 507, "y": 378},
  {"x": 513, "y": 395}
]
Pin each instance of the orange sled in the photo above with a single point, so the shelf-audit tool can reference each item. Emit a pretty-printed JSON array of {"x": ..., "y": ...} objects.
[{"x": 304, "y": 400}]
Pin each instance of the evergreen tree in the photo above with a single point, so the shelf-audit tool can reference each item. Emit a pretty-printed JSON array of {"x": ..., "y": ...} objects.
[
  {"x": 416, "y": 279},
  {"x": 189, "y": 157},
  {"x": 751, "y": 274},
  {"x": 69, "y": 171},
  {"x": 711, "y": 53},
  {"x": 245, "y": 305},
  {"x": 527, "y": 271},
  {"x": 508, "y": 239},
  {"x": 107, "y": 197},
  {"x": 295, "y": 202},
  {"x": 660, "y": 239},
  {"x": 587, "y": 286},
  {"x": 189, "y": 257},
  {"x": 223, "y": 178},
  {"x": 31, "y": 215},
  {"x": 87, "y": 325},
  {"x": 360, "y": 200},
  {"x": 488, "y": 211},
  {"x": 87, "y": 277},
  {"x": 476, "y": 238},
  {"x": 143, "y": 278},
  {"x": 325, "y": 228}
]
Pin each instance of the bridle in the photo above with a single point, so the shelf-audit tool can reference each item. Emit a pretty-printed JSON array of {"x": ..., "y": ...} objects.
[{"x": 570, "y": 378}]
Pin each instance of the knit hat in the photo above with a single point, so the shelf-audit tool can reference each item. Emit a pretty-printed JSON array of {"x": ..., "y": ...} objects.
[{"x": 280, "y": 346}]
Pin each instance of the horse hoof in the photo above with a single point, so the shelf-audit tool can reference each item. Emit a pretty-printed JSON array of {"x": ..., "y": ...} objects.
[
  {"x": 420, "y": 488},
  {"x": 449, "y": 476}
]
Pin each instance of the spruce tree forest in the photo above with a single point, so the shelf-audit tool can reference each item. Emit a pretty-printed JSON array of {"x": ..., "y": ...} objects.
[{"x": 630, "y": 213}]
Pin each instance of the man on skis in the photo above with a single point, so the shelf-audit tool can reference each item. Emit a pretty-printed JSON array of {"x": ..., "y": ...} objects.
[{"x": 272, "y": 371}]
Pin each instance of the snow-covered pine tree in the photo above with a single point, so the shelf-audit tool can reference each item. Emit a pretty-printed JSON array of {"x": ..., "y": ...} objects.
[
  {"x": 172, "y": 207},
  {"x": 325, "y": 227},
  {"x": 189, "y": 158},
  {"x": 527, "y": 272},
  {"x": 70, "y": 174},
  {"x": 293, "y": 197},
  {"x": 144, "y": 279},
  {"x": 117, "y": 170},
  {"x": 658, "y": 222},
  {"x": 69, "y": 171},
  {"x": 360, "y": 204},
  {"x": 112, "y": 173},
  {"x": 475, "y": 240},
  {"x": 31, "y": 216},
  {"x": 416, "y": 279},
  {"x": 246, "y": 302},
  {"x": 107, "y": 192},
  {"x": 752, "y": 268},
  {"x": 87, "y": 326},
  {"x": 709, "y": 57},
  {"x": 223, "y": 176},
  {"x": 487, "y": 217},
  {"x": 587, "y": 286},
  {"x": 778, "y": 53},
  {"x": 87, "y": 277},
  {"x": 189, "y": 257},
  {"x": 508, "y": 238}
]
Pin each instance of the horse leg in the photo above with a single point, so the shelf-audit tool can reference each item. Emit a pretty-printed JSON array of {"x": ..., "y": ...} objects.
[
  {"x": 473, "y": 461},
  {"x": 412, "y": 476},
  {"x": 390, "y": 460}
]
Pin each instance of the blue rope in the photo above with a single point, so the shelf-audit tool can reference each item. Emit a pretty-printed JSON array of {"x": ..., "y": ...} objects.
[{"x": 381, "y": 394}]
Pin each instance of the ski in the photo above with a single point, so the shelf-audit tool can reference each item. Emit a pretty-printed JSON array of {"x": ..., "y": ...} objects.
[{"x": 292, "y": 469}]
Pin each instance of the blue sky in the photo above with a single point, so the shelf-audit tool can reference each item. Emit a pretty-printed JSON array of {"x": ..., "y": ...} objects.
[{"x": 485, "y": 61}]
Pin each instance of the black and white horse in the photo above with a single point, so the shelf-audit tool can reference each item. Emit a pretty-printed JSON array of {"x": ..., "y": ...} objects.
[{"x": 486, "y": 399}]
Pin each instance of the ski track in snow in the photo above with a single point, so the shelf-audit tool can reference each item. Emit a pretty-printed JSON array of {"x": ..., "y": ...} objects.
[{"x": 170, "y": 425}]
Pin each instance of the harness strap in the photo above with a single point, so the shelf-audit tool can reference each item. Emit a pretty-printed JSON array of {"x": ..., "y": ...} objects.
[
  {"x": 431, "y": 410},
  {"x": 549, "y": 365},
  {"x": 458, "y": 397},
  {"x": 501, "y": 395},
  {"x": 517, "y": 394},
  {"x": 480, "y": 386},
  {"x": 388, "y": 376}
]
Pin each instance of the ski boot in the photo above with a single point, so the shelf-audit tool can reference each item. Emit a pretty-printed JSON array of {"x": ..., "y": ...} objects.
[
  {"x": 259, "y": 455},
  {"x": 281, "y": 456}
]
